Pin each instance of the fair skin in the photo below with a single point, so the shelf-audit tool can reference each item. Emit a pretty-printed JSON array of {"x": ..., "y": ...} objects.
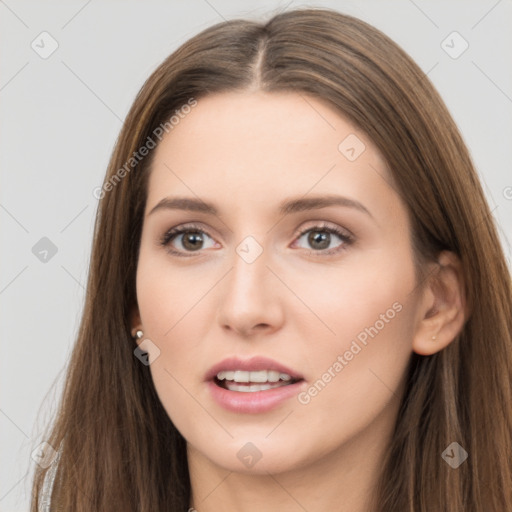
[{"x": 246, "y": 153}]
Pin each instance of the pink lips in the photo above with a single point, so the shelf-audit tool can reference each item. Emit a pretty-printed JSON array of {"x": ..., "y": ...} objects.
[{"x": 256, "y": 401}]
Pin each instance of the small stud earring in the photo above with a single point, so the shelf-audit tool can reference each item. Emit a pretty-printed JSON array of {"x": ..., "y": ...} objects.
[{"x": 138, "y": 334}]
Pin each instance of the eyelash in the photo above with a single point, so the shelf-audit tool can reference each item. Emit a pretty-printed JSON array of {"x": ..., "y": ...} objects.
[{"x": 322, "y": 227}]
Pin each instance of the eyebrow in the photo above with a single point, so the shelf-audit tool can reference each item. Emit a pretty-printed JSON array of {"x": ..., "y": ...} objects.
[{"x": 285, "y": 208}]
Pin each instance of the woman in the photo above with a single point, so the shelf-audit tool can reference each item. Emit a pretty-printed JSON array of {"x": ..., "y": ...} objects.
[{"x": 297, "y": 298}]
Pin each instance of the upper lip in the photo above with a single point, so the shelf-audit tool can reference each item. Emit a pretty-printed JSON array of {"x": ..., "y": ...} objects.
[{"x": 253, "y": 364}]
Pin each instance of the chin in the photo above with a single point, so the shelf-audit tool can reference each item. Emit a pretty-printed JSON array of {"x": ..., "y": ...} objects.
[{"x": 252, "y": 453}]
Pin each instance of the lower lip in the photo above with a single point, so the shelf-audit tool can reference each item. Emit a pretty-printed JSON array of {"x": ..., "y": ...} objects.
[{"x": 255, "y": 401}]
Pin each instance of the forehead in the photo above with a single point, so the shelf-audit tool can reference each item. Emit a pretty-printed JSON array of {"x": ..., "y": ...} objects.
[
  {"x": 243, "y": 121},
  {"x": 256, "y": 148}
]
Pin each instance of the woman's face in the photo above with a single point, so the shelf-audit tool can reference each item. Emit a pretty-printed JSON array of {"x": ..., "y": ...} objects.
[{"x": 304, "y": 269}]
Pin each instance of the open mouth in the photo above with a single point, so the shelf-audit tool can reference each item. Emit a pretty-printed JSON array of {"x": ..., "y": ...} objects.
[{"x": 250, "y": 382}]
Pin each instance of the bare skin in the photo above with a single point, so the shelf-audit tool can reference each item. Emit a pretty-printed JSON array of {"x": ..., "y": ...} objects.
[{"x": 246, "y": 153}]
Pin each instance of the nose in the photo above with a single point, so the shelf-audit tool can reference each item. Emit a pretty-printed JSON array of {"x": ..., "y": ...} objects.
[{"x": 250, "y": 301}]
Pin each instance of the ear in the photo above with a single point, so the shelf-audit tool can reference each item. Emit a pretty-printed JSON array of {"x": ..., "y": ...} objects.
[
  {"x": 135, "y": 321},
  {"x": 442, "y": 312}
]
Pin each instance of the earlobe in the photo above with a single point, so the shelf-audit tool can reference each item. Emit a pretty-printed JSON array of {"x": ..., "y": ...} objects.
[
  {"x": 137, "y": 334},
  {"x": 443, "y": 308}
]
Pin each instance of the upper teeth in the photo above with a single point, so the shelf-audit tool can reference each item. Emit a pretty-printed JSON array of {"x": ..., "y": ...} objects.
[{"x": 259, "y": 376}]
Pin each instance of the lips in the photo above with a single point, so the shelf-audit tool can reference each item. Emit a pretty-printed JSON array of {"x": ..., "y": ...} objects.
[{"x": 231, "y": 385}]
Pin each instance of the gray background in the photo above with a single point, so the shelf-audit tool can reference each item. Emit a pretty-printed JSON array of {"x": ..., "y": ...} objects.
[{"x": 61, "y": 115}]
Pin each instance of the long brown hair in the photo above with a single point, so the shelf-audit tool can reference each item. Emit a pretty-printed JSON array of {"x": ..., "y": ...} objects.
[{"x": 119, "y": 449}]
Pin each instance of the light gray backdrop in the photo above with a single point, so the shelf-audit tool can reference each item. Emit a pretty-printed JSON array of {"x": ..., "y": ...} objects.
[{"x": 64, "y": 95}]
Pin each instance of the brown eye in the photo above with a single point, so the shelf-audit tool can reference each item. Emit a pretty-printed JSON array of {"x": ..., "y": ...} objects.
[
  {"x": 319, "y": 239},
  {"x": 186, "y": 239},
  {"x": 192, "y": 240}
]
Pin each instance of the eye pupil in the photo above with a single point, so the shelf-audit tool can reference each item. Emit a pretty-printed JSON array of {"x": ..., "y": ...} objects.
[
  {"x": 319, "y": 237},
  {"x": 192, "y": 240}
]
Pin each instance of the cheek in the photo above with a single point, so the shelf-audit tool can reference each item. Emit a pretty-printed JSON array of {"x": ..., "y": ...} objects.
[
  {"x": 343, "y": 300},
  {"x": 358, "y": 368},
  {"x": 164, "y": 293},
  {"x": 171, "y": 302}
]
